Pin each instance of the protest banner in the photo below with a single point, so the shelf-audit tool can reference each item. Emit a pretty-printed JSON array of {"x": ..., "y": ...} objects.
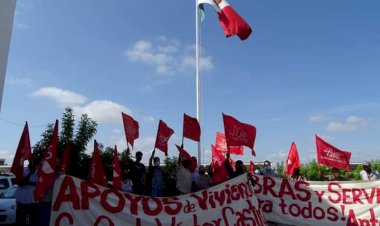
[
  {"x": 308, "y": 203},
  {"x": 77, "y": 202}
]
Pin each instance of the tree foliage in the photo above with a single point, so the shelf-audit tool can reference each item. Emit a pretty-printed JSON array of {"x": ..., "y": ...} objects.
[{"x": 85, "y": 130}]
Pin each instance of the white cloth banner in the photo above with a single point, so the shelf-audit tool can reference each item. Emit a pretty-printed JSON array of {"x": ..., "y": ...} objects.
[
  {"x": 77, "y": 202},
  {"x": 319, "y": 203}
]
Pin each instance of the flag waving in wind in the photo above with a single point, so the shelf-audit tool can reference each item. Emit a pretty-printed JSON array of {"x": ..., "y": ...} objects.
[
  {"x": 116, "y": 178},
  {"x": 331, "y": 156},
  {"x": 163, "y": 134},
  {"x": 238, "y": 133},
  {"x": 293, "y": 160},
  {"x": 97, "y": 175},
  {"x": 131, "y": 128},
  {"x": 230, "y": 21},
  {"x": 23, "y": 153},
  {"x": 47, "y": 169},
  {"x": 191, "y": 128}
]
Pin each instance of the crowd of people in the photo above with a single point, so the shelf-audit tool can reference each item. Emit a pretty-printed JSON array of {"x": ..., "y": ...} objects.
[{"x": 154, "y": 181}]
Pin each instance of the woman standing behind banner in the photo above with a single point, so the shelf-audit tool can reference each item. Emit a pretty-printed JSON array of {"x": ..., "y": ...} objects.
[{"x": 184, "y": 177}]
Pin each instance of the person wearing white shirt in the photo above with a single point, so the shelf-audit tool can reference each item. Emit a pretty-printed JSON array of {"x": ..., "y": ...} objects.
[{"x": 368, "y": 173}]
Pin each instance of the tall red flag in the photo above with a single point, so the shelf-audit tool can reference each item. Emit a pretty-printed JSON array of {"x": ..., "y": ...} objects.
[
  {"x": 183, "y": 152},
  {"x": 221, "y": 145},
  {"x": 238, "y": 133},
  {"x": 331, "y": 156},
  {"x": 191, "y": 128},
  {"x": 23, "y": 153},
  {"x": 97, "y": 175},
  {"x": 217, "y": 162},
  {"x": 47, "y": 170},
  {"x": 131, "y": 128},
  {"x": 230, "y": 21},
  {"x": 116, "y": 171},
  {"x": 163, "y": 134},
  {"x": 65, "y": 160},
  {"x": 293, "y": 160}
]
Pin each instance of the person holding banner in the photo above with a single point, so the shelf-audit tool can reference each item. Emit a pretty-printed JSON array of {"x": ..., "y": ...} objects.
[{"x": 368, "y": 173}]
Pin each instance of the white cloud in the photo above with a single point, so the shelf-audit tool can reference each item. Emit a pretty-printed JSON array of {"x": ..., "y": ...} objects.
[
  {"x": 168, "y": 57},
  {"x": 352, "y": 123},
  {"x": 7, "y": 155},
  {"x": 99, "y": 110},
  {"x": 148, "y": 118},
  {"x": 317, "y": 118},
  {"x": 62, "y": 97},
  {"x": 103, "y": 111}
]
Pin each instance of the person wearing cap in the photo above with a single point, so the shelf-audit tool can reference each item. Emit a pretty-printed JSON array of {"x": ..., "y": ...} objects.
[
  {"x": 268, "y": 171},
  {"x": 368, "y": 173}
]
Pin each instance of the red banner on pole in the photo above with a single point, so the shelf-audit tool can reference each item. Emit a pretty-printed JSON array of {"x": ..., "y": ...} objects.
[
  {"x": 131, "y": 128},
  {"x": 238, "y": 133},
  {"x": 331, "y": 156},
  {"x": 163, "y": 134},
  {"x": 23, "y": 153},
  {"x": 221, "y": 145},
  {"x": 191, "y": 128},
  {"x": 97, "y": 175},
  {"x": 293, "y": 160}
]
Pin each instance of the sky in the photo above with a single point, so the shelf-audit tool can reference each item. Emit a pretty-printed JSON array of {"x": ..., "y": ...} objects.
[{"x": 309, "y": 67}]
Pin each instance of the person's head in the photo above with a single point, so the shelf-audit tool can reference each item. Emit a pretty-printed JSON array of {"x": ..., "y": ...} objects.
[
  {"x": 202, "y": 170},
  {"x": 335, "y": 172},
  {"x": 138, "y": 156},
  {"x": 194, "y": 159},
  {"x": 366, "y": 166},
  {"x": 296, "y": 172},
  {"x": 186, "y": 163},
  {"x": 239, "y": 166},
  {"x": 267, "y": 165},
  {"x": 156, "y": 161}
]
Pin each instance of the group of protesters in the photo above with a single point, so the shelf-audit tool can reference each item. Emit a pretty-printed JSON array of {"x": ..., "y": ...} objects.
[{"x": 190, "y": 176}]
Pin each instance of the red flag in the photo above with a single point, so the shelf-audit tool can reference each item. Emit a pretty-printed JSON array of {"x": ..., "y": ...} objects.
[
  {"x": 238, "y": 133},
  {"x": 65, "y": 161},
  {"x": 191, "y": 128},
  {"x": 217, "y": 162},
  {"x": 251, "y": 167},
  {"x": 183, "y": 152},
  {"x": 230, "y": 21},
  {"x": 131, "y": 128},
  {"x": 331, "y": 156},
  {"x": 47, "y": 170},
  {"x": 221, "y": 145},
  {"x": 23, "y": 153},
  {"x": 97, "y": 175},
  {"x": 163, "y": 134},
  {"x": 116, "y": 171},
  {"x": 293, "y": 160}
]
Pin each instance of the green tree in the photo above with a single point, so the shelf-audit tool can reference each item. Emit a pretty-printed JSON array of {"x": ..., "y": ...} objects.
[{"x": 86, "y": 129}]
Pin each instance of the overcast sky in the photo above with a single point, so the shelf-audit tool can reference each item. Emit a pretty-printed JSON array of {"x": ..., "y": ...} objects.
[{"x": 310, "y": 67}]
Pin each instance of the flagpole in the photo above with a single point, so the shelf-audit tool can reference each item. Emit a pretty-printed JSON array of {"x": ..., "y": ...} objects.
[{"x": 197, "y": 79}]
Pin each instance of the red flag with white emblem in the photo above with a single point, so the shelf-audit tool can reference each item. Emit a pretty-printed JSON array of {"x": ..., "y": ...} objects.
[
  {"x": 23, "y": 153},
  {"x": 47, "y": 170},
  {"x": 293, "y": 160},
  {"x": 131, "y": 128},
  {"x": 331, "y": 156},
  {"x": 238, "y": 133},
  {"x": 163, "y": 134}
]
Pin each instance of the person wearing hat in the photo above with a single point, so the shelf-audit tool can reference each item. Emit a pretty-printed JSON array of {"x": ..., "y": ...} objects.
[{"x": 368, "y": 173}]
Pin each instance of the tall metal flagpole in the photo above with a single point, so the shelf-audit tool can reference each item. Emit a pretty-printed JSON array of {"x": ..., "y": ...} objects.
[{"x": 197, "y": 79}]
